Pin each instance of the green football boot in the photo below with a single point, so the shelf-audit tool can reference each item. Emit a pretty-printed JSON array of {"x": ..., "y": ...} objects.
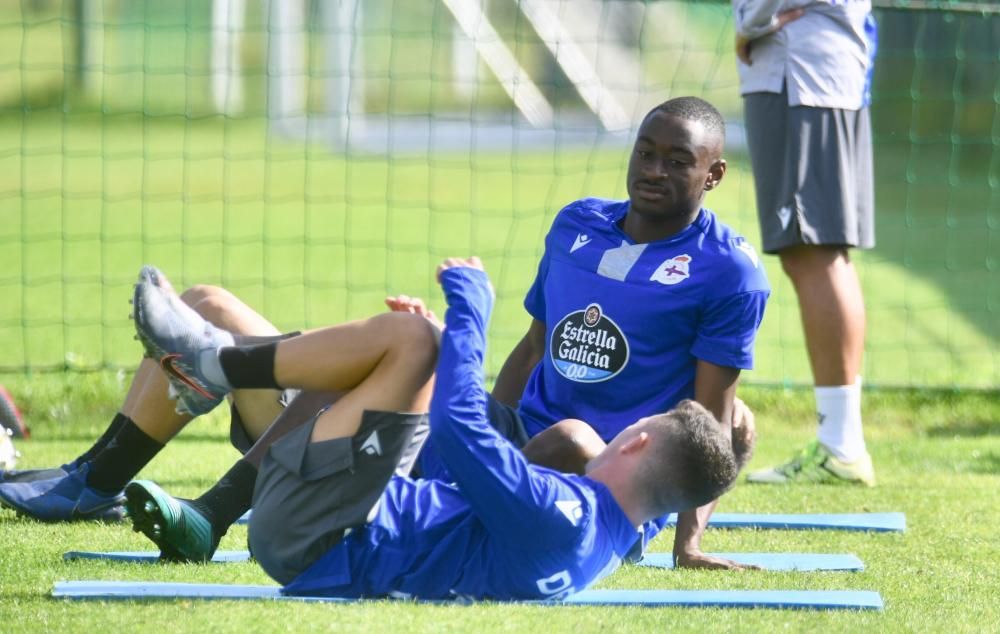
[
  {"x": 181, "y": 532},
  {"x": 814, "y": 464}
]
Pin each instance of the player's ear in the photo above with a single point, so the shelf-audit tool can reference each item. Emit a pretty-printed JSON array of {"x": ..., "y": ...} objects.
[
  {"x": 636, "y": 443},
  {"x": 715, "y": 174}
]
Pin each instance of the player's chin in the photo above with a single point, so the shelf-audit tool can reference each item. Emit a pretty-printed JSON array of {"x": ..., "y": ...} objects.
[{"x": 655, "y": 210}]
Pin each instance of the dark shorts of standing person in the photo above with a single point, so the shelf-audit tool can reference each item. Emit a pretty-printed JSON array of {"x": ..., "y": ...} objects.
[{"x": 813, "y": 173}]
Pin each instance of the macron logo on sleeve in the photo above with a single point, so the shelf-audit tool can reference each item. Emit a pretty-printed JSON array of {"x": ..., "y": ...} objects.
[
  {"x": 581, "y": 241},
  {"x": 571, "y": 509},
  {"x": 372, "y": 447}
]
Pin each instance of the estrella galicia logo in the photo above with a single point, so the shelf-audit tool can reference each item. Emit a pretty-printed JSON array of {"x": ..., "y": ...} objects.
[{"x": 588, "y": 347}]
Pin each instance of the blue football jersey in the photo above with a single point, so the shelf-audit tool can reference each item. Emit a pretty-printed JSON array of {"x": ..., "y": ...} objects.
[
  {"x": 504, "y": 529},
  {"x": 627, "y": 322}
]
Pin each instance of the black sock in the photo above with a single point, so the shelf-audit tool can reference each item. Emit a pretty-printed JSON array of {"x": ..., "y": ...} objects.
[
  {"x": 122, "y": 458},
  {"x": 249, "y": 367},
  {"x": 102, "y": 442},
  {"x": 249, "y": 340},
  {"x": 229, "y": 498}
]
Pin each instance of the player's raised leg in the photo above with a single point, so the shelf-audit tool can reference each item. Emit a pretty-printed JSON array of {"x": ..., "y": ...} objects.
[
  {"x": 90, "y": 486},
  {"x": 339, "y": 359}
]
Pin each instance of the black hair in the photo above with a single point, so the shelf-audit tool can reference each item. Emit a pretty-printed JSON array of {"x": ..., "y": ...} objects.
[{"x": 694, "y": 109}]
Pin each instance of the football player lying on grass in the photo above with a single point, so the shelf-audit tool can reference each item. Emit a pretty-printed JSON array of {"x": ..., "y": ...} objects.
[{"x": 334, "y": 513}]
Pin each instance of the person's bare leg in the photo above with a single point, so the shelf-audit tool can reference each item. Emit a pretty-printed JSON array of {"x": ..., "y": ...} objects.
[
  {"x": 833, "y": 311},
  {"x": 833, "y": 319},
  {"x": 301, "y": 410},
  {"x": 150, "y": 420},
  {"x": 258, "y": 408},
  {"x": 146, "y": 402},
  {"x": 91, "y": 486},
  {"x": 383, "y": 363}
]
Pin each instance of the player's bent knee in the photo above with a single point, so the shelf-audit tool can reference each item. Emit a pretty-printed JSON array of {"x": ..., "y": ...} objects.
[
  {"x": 416, "y": 338},
  {"x": 566, "y": 446},
  {"x": 219, "y": 308},
  {"x": 200, "y": 292}
]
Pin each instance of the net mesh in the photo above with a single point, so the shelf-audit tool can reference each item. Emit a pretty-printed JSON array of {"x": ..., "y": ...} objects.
[{"x": 314, "y": 157}]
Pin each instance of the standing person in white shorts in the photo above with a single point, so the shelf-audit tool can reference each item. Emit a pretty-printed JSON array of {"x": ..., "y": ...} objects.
[{"x": 805, "y": 70}]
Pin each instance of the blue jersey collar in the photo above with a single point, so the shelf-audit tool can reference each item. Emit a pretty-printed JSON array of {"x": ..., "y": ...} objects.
[{"x": 700, "y": 225}]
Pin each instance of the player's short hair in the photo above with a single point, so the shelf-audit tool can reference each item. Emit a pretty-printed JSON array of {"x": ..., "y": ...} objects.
[
  {"x": 692, "y": 460},
  {"x": 694, "y": 109}
]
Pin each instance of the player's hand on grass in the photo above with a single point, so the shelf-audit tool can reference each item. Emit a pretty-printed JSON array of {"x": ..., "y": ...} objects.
[
  {"x": 744, "y": 44},
  {"x": 414, "y": 305},
  {"x": 698, "y": 559}
]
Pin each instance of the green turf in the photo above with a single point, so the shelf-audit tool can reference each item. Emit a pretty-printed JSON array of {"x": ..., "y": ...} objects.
[{"x": 938, "y": 460}]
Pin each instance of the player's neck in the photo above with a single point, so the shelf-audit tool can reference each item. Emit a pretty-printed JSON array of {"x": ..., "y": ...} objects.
[
  {"x": 643, "y": 229},
  {"x": 622, "y": 490}
]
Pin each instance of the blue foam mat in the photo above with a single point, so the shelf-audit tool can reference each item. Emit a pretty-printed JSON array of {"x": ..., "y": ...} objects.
[
  {"x": 801, "y": 562},
  {"x": 151, "y": 556},
  {"x": 873, "y": 522},
  {"x": 786, "y": 599}
]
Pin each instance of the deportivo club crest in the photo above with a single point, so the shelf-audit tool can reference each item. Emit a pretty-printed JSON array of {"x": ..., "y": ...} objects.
[
  {"x": 588, "y": 347},
  {"x": 673, "y": 271}
]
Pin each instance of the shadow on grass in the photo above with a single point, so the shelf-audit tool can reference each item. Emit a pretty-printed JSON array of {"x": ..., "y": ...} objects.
[
  {"x": 987, "y": 465},
  {"x": 188, "y": 437},
  {"x": 970, "y": 429},
  {"x": 171, "y": 484}
]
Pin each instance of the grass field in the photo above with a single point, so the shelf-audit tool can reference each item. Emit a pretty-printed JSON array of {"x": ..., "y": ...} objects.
[
  {"x": 938, "y": 459},
  {"x": 94, "y": 186}
]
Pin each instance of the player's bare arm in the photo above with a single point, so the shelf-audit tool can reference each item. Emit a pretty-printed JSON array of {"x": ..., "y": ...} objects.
[
  {"x": 519, "y": 364},
  {"x": 715, "y": 389}
]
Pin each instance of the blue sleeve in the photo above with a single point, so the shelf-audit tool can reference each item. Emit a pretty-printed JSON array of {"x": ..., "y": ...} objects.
[
  {"x": 508, "y": 495},
  {"x": 728, "y": 328},
  {"x": 871, "y": 33}
]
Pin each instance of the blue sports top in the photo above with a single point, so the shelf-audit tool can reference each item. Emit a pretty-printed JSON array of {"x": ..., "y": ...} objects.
[
  {"x": 625, "y": 323},
  {"x": 503, "y": 529}
]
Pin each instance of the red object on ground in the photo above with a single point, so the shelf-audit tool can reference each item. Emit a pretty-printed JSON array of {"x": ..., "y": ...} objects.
[{"x": 10, "y": 416}]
